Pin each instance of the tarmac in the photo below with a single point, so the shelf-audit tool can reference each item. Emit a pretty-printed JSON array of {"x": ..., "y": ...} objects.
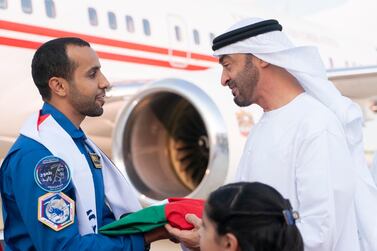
[{"x": 165, "y": 245}]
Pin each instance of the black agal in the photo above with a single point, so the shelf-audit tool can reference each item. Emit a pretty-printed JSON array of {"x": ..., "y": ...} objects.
[{"x": 245, "y": 32}]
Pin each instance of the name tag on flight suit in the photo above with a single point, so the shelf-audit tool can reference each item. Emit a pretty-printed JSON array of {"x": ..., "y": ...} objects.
[{"x": 96, "y": 159}]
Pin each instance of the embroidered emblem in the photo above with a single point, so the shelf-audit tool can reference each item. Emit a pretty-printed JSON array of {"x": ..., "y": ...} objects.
[
  {"x": 92, "y": 219},
  {"x": 56, "y": 210},
  {"x": 52, "y": 174},
  {"x": 245, "y": 121},
  {"x": 96, "y": 159}
]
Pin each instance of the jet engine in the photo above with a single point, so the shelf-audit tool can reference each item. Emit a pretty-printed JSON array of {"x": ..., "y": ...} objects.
[{"x": 171, "y": 139}]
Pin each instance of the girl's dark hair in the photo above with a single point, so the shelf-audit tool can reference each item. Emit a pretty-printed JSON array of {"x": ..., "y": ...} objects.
[{"x": 253, "y": 212}]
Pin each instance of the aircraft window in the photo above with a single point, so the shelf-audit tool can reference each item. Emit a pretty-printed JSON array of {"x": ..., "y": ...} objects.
[
  {"x": 26, "y": 6},
  {"x": 196, "y": 36},
  {"x": 93, "y": 18},
  {"x": 178, "y": 34},
  {"x": 50, "y": 8},
  {"x": 211, "y": 37},
  {"x": 112, "y": 20},
  {"x": 146, "y": 27},
  {"x": 130, "y": 24},
  {"x": 3, "y": 4}
]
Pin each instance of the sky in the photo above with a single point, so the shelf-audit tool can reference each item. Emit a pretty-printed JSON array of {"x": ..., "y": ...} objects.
[
  {"x": 356, "y": 17},
  {"x": 297, "y": 7},
  {"x": 353, "y": 17}
]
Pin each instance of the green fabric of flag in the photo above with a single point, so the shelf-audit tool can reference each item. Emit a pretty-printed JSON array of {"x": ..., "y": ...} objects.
[
  {"x": 141, "y": 221},
  {"x": 149, "y": 218}
]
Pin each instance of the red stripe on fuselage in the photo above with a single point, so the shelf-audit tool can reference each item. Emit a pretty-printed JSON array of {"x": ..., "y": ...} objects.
[
  {"x": 19, "y": 43},
  {"x": 105, "y": 55},
  {"x": 148, "y": 61},
  {"x": 37, "y": 30}
]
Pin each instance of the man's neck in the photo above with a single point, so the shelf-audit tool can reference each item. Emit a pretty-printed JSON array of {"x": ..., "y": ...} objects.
[
  {"x": 272, "y": 102},
  {"x": 277, "y": 89},
  {"x": 72, "y": 114}
]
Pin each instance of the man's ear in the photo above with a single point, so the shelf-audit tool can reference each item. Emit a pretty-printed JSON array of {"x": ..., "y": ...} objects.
[
  {"x": 58, "y": 86},
  {"x": 262, "y": 63},
  {"x": 229, "y": 242}
]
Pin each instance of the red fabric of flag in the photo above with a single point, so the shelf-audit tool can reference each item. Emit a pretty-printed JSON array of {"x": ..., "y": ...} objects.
[{"x": 177, "y": 208}]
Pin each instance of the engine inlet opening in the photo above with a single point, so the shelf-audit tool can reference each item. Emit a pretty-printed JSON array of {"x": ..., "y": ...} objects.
[{"x": 166, "y": 146}]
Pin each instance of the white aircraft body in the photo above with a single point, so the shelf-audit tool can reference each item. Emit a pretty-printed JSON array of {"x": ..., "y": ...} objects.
[{"x": 168, "y": 124}]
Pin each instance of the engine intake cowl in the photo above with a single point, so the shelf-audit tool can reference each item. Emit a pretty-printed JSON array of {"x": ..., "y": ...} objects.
[{"x": 171, "y": 140}]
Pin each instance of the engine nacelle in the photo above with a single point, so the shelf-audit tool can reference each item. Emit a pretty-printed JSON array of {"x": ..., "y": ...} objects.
[{"x": 172, "y": 140}]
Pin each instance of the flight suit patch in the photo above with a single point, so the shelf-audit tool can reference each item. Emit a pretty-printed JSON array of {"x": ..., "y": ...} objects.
[
  {"x": 52, "y": 174},
  {"x": 56, "y": 210},
  {"x": 96, "y": 159}
]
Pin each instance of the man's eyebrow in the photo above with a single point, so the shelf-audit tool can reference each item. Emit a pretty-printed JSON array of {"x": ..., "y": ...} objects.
[
  {"x": 222, "y": 58},
  {"x": 94, "y": 68}
]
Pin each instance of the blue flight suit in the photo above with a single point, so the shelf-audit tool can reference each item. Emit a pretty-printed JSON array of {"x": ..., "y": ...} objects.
[{"x": 20, "y": 193}]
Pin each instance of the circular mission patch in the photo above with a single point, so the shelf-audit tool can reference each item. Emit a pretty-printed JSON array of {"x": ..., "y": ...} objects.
[{"x": 52, "y": 174}]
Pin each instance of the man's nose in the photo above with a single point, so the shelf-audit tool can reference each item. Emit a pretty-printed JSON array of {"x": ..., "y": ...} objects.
[
  {"x": 224, "y": 78},
  {"x": 104, "y": 83}
]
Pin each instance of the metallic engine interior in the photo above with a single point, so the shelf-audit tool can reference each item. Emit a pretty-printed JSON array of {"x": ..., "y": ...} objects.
[{"x": 169, "y": 143}]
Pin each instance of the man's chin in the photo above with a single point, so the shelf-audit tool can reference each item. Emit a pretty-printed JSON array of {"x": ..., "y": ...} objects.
[
  {"x": 241, "y": 103},
  {"x": 96, "y": 113}
]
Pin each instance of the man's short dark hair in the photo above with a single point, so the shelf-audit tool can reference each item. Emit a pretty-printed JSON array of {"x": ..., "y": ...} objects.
[{"x": 51, "y": 60}]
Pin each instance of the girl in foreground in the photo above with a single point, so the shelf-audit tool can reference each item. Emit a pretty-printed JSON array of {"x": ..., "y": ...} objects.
[{"x": 248, "y": 216}]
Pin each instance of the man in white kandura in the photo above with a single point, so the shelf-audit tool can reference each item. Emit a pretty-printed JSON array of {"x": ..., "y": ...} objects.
[
  {"x": 307, "y": 145},
  {"x": 373, "y": 167}
]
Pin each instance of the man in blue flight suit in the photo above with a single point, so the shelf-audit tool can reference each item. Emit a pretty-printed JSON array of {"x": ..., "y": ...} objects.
[{"x": 57, "y": 187}]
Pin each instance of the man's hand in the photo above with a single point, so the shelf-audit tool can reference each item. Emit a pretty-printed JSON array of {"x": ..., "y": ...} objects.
[
  {"x": 156, "y": 234},
  {"x": 189, "y": 238}
]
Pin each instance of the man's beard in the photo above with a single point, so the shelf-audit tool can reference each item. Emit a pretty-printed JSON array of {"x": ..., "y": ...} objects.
[
  {"x": 247, "y": 80},
  {"x": 85, "y": 105},
  {"x": 91, "y": 110}
]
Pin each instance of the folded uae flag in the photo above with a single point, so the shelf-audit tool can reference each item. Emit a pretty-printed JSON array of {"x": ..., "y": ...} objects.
[{"x": 153, "y": 217}]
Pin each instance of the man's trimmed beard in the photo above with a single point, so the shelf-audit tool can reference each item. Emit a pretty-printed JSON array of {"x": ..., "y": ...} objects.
[
  {"x": 246, "y": 81},
  {"x": 85, "y": 105}
]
